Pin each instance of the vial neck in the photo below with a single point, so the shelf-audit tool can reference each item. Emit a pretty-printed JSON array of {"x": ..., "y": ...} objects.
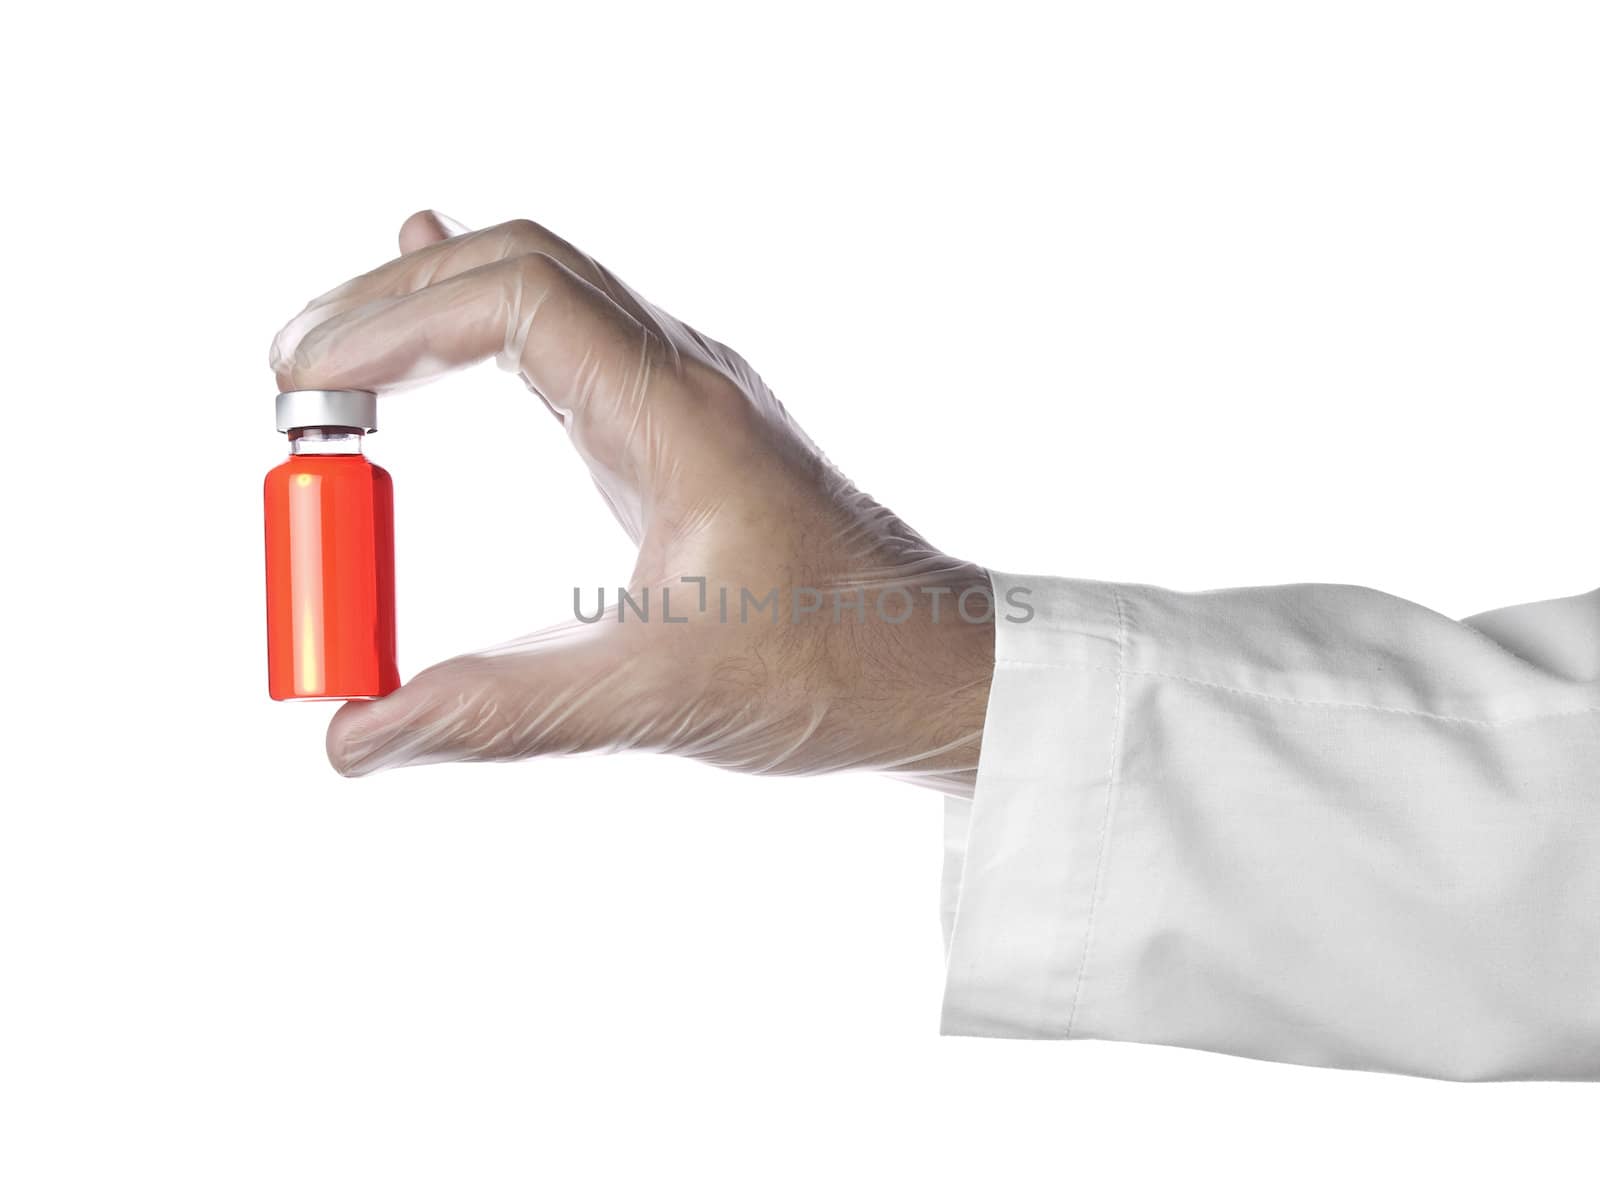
[{"x": 325, "y": 439}]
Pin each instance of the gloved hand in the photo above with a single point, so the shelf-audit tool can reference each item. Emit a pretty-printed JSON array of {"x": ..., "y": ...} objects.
[{"x": 869, "y": 658}]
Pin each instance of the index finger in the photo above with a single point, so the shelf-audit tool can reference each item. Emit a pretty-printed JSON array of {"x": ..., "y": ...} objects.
[{"x": 444, "y": 260}]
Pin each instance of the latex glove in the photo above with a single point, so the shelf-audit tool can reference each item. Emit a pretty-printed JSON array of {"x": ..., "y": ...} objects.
[{"x": 713, "y": 480}]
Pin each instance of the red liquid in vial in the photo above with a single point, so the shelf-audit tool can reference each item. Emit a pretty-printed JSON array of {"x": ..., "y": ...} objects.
[{"x": 330, "y": 579}]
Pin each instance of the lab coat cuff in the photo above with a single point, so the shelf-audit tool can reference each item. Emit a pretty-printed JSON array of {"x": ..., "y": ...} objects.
[{"x": 1022, "y": 857}]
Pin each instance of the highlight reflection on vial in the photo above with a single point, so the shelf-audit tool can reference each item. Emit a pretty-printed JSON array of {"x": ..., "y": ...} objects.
[{"x": 330, "y": 554}]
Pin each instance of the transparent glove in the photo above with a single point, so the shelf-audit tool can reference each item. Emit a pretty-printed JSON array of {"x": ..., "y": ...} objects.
[{"x": 845, "y": 640}]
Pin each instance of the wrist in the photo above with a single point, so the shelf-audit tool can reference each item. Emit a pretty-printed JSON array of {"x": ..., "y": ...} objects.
[{"x": 925, "y": 675}]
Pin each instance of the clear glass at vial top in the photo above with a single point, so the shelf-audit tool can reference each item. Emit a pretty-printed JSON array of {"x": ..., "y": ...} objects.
[{"x": 325, "y": 440}]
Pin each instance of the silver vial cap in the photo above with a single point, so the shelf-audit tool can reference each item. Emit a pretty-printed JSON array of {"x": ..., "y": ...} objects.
[{"x": 348, "y": 409}]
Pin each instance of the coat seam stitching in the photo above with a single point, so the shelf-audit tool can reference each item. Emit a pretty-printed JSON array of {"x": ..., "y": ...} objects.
[
  {"x": 1299, "y": 701},
  {"x": 1112, "y": 773}
]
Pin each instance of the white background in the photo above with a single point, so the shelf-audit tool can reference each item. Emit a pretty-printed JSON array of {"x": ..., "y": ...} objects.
[{"x": 1196, "y": 295}]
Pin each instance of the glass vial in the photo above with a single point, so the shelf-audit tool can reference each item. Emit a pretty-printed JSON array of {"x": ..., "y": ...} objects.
[{"x": 330, "y": 554}]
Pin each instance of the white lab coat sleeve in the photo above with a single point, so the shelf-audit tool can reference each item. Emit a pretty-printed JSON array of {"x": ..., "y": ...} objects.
[{"x": 1315, "y": 824}]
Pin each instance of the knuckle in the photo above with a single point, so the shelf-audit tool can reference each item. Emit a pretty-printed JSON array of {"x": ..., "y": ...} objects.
[
  {"x": 711, "y": 385},
  {"x": 534, "y": 267},
  {"x": 525, "y": 235}
]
